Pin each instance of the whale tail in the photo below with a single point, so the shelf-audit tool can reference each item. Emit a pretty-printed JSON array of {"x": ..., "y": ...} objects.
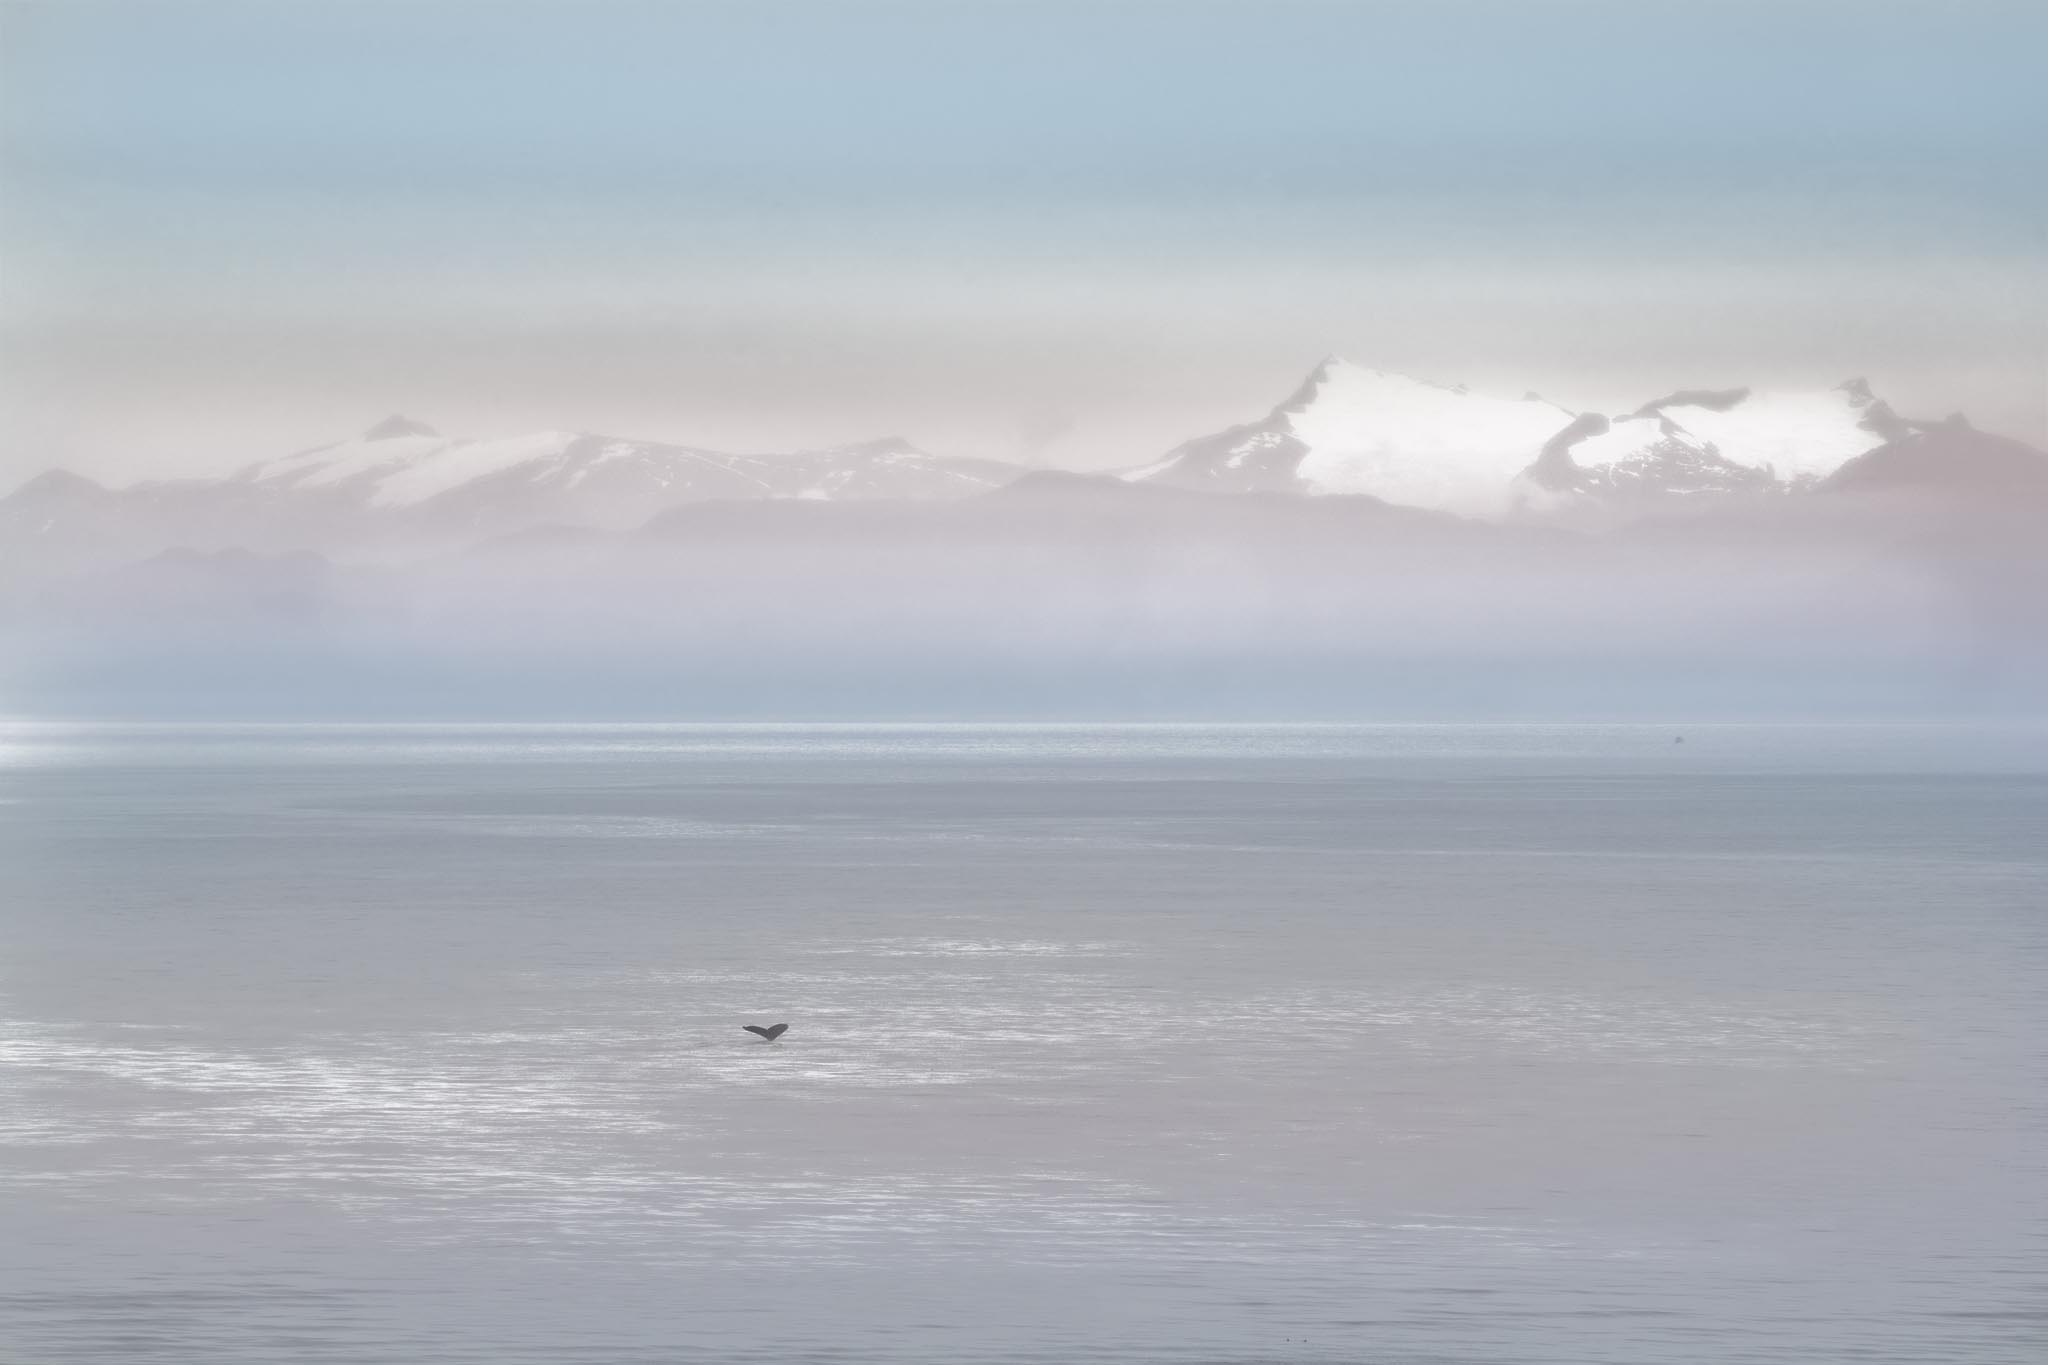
[{"x": 771, "y": 1033}]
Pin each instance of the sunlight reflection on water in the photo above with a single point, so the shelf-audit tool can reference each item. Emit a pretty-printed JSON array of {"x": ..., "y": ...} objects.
[{"x": 1477, "y": 1045}]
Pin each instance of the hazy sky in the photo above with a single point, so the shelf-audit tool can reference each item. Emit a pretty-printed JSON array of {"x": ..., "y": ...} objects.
[{"x": 232, "y": 229}]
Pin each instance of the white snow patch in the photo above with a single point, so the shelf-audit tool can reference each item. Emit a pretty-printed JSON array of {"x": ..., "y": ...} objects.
[
  {"x": 607, "y": 453},
  {"x": 1415, "y": 443},
  {"x": 1796, "y": 435},
  {"x": 1264, "y": 440},
  {"x": 1144, "y": 472},
  {"x": 461, "y": 463},
  {"x": 616, "y": 450}
]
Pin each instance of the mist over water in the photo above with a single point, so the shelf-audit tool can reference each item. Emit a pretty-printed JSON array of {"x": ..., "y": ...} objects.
[
  {"x": 1156, "y": 1043},
  {"x": 1060, "y": 597}
]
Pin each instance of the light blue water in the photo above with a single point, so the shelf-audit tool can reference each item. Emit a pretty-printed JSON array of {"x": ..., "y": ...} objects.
[{"x": 1404, "y": 1044}]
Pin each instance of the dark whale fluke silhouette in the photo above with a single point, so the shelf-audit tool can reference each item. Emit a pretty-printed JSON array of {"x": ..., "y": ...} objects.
[{"x": 770, "y": 1034}]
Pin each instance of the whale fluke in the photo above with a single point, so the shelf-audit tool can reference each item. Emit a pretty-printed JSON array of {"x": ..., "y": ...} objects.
[{"x": 771, "y": 1033}]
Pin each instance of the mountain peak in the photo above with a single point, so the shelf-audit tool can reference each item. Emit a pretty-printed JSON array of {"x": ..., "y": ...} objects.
[
  {"x": 57, "y": 483},
  {"x": 1334, "y": 366},
  {"x": 395, "y": 426},
  {"x": 1350, "y": 428},
  {"x": 1333, "y": 372}
]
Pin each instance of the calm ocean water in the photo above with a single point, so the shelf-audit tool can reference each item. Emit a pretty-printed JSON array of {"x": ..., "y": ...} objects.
[{"x": 1373, "y": 1044}]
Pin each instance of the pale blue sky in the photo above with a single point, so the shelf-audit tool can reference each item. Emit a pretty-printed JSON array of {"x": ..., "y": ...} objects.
[{"x": 235, "y": 227}]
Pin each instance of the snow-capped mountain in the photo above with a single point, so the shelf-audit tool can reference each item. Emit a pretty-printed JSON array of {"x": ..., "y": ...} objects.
[
  {"x": 1350, "y": 429},
  {"x": 401, "y": 482},
  {"x": 1355, "y": 430},
  {"x": 1701, "y": 441},
  {"x": 1347, "y": 430},
  {"x": 402, "y": 467}
]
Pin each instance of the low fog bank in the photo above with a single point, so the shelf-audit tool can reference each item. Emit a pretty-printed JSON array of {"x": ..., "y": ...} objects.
[{"x": 1073, "y": 597}]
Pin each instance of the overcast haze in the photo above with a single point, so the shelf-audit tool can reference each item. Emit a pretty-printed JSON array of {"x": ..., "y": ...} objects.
[
  {"x": 1076, "y": 234},
  {"x": 1506, "y": 831}
]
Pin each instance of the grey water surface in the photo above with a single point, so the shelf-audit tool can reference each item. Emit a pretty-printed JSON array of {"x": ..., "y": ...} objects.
[{"x": 1155, "y": 1043}]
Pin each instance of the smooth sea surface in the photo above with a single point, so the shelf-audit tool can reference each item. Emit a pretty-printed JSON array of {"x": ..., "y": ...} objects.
[{"x": 1504, "y": 1044}]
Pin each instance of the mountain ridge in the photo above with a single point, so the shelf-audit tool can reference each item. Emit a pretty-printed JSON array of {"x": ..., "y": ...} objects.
[
  {"x": 400, "y": 484},
  {"x": 1347, "y": 430},
  {"x": 1350, "y": 429}
]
